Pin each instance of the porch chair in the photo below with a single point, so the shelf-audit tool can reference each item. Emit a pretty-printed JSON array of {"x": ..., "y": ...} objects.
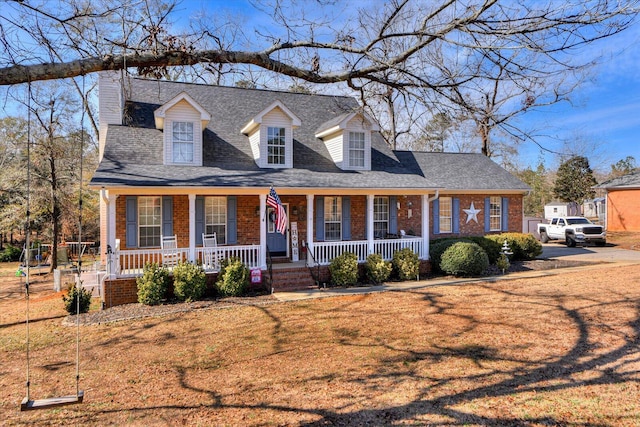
[
  {"x": 210, "y": 252},
  {"x": 170, "y": 253}
]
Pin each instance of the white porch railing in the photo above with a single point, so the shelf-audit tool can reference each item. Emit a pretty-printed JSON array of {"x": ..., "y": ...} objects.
[
  {"x": 131, "y": 262},
  {"x": 388, "y": 247},
  {"x": 211, "y": 257},
  {"x": 324, "y": 252}
]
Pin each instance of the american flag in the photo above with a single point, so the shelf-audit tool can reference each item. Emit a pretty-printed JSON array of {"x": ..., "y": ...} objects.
[{"x": 281, "y": 216}]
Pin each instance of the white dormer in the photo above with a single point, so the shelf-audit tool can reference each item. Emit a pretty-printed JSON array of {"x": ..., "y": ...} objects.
[
  {"x": 270, "y": 135},
  {"x": 183, "y": 120},
  {"x": 348, "y": 140}
]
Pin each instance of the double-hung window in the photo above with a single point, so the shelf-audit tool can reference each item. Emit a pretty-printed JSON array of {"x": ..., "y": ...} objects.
[
  {"x": 276, "y": 146},
  {"x": 356, "y": 149},
  {"x": 332, "y": 218},
  {"x": 495, "y": 213},
  {"x": 149, "y": 221},
  {"x": 182, "y": 142},
  {"x": 215, "y": 217},
  {"x": 445, "y": 215},
  {"x": 380, "y": 217}
]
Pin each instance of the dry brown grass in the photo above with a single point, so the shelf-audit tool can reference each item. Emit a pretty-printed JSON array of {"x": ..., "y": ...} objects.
[{"x": 559, "y": 350}]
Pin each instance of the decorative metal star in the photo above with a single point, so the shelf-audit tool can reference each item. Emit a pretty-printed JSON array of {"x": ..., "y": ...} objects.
[{"x": 472, "y": 213}]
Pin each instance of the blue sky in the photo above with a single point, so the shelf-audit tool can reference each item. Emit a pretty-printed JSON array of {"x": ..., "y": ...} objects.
[
  {"x": 602, "y": 122},
  {"x": 605, "y": 116}
]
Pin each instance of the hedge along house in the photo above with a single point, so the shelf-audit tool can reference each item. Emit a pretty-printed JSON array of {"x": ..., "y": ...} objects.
[{"x": 184, "y": 160}]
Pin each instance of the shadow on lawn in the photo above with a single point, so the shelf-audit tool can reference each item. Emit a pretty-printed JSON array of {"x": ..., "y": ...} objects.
[{"x": 528, "y": 376}]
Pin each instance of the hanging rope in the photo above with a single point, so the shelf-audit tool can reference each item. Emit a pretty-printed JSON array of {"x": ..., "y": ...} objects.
[
  {"x": 28, "y": 232},
  {"x": 80, "y": 251},
  {"x": 27, "y": 403}
]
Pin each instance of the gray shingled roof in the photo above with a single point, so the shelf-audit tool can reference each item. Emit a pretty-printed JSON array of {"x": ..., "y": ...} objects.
[
  {"x": 133, "y": 152},
  {"x": 631, "y": 180},
  {"x": 462, "y": 171}
]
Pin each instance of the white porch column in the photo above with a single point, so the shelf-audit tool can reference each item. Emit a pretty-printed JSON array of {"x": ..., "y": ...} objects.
[
  {"x": 310, "y": 221},
  {"x": 425, "y": 227},
  {"x": 369, "y": 219},
  {"x": 192, "y": 228},
  {"x": 108, "y": 234},
  {"x": 263, "y": 231}
]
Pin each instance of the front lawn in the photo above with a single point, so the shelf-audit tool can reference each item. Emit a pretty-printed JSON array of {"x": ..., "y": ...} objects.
[{"x": 559, "y": 350}]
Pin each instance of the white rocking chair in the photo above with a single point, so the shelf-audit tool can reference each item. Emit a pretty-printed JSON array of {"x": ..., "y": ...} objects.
[
  {"x": 210, "y": 251},
  {"x": 170, "y": 253}
]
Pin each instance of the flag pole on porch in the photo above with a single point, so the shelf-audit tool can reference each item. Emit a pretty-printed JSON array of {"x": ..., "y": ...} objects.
[{"x": 274, "y": 202}]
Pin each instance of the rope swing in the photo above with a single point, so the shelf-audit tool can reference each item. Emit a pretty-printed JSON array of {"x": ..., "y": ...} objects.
[{"x": 27, "y": 403}]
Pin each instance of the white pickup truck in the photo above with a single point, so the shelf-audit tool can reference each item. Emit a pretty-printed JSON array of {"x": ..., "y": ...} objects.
[{"x": 572, "y": 229}]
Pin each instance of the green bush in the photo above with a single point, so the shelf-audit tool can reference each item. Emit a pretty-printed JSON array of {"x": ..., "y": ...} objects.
[
  {"x": 71, "y": 299},
  {"x": 344, "y": 269},
  {"x": 406, "y": 264},
  {"x": 377, "y": 269},
  {"x": 153, "y": 284},
  {"x": 233, "y": 278},
  {"x": 438, "y": 246},
  {"x": 524, "y": 246},
  {"x": 189, "y": 281},
  {"x": 503, "y": 263},
  {"x": 10, "y": 254},
  {"x": 464, "y": 259}
]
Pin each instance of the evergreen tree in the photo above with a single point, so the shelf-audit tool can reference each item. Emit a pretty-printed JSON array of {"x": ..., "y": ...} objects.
[{"x": 575, "y": 181}]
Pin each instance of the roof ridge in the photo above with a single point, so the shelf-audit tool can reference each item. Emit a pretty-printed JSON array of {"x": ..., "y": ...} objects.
[{"x": 144, "y": 79}]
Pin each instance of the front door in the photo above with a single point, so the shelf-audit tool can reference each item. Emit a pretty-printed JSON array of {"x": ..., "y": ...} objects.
[{"x": 276, "y": 242}]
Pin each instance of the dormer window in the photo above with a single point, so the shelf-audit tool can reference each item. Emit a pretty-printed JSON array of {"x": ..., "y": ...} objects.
[
  {"x": 270, "y": 135},
  {"x": 348, "y": 140},
  {"x": 356, "y": 149},
  {"x": 182, "y": 121},
  {"x": 182, "y": 142},
  {"x": 276, "y": 146}
]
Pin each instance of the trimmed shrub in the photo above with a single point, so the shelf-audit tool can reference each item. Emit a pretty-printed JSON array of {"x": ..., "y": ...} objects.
[
  {"x": 464, "y": 259},
  {"x": 153, "y": 284},
  {"x": 233, "y": 278},
  {"x": 524, "y": 246},
  {"x": 437, "y": 248},
  {"x": 406, "y": 264},
  {"x": 71, "y": 299},
  {"x": 503, "y": 263},
  {"x": 189, "y": 281},
  {"x": 344, "y": 269},
  {"x": 377, "y": 269},
  {"x": 10, "y": 254}
]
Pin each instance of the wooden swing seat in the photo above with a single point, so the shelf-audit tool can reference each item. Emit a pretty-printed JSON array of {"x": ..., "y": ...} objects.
[{"x": 30, "y": 405}]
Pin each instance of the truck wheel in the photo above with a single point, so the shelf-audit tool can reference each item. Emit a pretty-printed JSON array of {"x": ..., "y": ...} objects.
[
  {"x": 544, "y": 237},
  {"x": 570, "y": 241}
]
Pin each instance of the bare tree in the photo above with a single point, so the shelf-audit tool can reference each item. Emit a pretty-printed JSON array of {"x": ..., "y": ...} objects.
[{"x": 491, "y": 60}]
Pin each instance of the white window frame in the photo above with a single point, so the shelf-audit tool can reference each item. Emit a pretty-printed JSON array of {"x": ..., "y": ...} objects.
[
  {"x": 495, "y": 213},
  {"x": 215, "y": 217},
  {"x": 182, "y": 142},
  {"x": 276, "y": 146},
  {"x": 150, "y": 220},
  {"x": 445, "y": 214},
  {"x": 381, "y": 217},
  {"x": 333, "y": 219},
  {"x": 356, "y": 152}
]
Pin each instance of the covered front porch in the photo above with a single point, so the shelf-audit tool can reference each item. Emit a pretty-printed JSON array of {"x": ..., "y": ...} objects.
[{"x": 320, "y": 227}]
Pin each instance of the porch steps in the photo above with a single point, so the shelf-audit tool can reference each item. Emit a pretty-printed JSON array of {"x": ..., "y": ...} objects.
[{"x": 292, "y": 279}]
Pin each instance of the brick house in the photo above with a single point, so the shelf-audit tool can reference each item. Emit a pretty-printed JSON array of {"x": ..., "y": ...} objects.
[
  {"x": 622, "y": 203},
  {"x": 186, "y": 159}
]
